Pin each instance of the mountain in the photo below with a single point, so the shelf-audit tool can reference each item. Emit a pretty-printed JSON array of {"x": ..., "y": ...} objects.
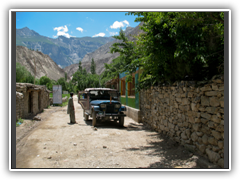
[
  {"x": 102, "y": 54},
  {"x": 44, "y": 64},
  {"x": 64, "y": 51}
]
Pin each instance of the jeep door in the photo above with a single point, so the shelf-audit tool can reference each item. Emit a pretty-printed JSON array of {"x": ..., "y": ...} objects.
[{"x": 83, "y": 99}]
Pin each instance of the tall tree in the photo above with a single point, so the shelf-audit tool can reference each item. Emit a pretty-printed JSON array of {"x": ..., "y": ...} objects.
[
  {"x": 65, "y": 76},
  {"x": 80, "y": 66},
  {"x": 62, "y": 82},
  {"x": 93, "y": 67},
  {"x": 127, "y": 57}
]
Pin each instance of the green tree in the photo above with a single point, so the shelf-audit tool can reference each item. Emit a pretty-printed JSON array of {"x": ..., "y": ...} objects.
[
  {"x": 125, "y": 47},
  {"x": 62, "y": 82},
  {"x": 37, "y": 81},
  {"x": 82, "y": 80},
  {"x": 50, "y": 84},
  {"x": 20, "y": 72},
  {"x": 44, "y": 80},
  {"x": 127, "y": 60},
  {"x": 80, "y": 66},
  {"x": 178, "y": 46},
  {"x": 93, "y": 67},
  {"x": 65, "y": 76},
  {"x": 112, "y": 70},
  {"x": 78, "y": 80},
  {"x": 23, "y": 75},
  {"x": 70, "y": 86},
  {"x": 29, "y": 78}
]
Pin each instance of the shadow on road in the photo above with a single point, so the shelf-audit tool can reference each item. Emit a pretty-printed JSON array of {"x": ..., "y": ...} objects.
[
  {"x": 173, "y": 154},
  {"x": 72, "y": 124}
]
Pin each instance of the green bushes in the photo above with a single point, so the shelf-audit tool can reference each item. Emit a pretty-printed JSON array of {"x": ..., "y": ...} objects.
[
  {"x": 179, "y": 46},
  {"x": 23, "y": 75},
  {"x": 19, "y": 121}
]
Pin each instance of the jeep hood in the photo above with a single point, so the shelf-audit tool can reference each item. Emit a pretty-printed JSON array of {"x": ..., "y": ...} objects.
[{"x": 97, "y": 102}]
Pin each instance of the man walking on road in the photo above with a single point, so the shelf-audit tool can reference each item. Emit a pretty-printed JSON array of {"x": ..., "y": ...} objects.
[{"x": 70, "y": 109}]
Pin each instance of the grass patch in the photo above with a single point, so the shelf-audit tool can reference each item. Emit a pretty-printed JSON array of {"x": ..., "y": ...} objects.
[{"x": 19, "y": 122}]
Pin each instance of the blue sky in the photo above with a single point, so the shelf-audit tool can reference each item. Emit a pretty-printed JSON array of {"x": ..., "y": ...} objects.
[{"x": 75, "y": 24}]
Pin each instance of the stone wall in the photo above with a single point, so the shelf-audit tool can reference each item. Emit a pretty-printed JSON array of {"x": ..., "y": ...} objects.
[
  {"x": 133, "y": 113},
  {"x": 19, "y": 103},
  {"x": 191, "y": 113}
]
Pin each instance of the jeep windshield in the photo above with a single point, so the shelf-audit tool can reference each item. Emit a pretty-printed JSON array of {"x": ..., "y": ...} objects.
[{"x": 102, "y": 95}]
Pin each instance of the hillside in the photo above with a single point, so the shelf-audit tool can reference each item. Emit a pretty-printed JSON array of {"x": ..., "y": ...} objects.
[
  {"x": 102, "y": 55},
  {"x": 64, "y": 51},
  {"x": 44, "y": 64}
]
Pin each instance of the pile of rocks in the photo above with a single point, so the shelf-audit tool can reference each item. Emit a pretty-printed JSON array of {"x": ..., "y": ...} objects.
[
  {"x": 37, "y": 118},
  {"x": 190, "y": 114}
]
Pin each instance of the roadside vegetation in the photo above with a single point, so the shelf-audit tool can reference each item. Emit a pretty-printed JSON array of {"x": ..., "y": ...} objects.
[{"x": 19, "y": 122}]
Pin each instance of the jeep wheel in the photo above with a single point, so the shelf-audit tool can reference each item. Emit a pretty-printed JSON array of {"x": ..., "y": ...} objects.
[
  {"x": 94, "y": 119},
  {"x": 86, "y": 117},
  {"x": 121, "y": 121}
]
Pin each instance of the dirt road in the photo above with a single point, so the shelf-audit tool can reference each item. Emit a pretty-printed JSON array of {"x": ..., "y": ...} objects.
[{"x": 54, "y": 143}]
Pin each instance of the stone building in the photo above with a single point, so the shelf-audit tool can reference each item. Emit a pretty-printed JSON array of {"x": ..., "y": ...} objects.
[{"x": 30, "y": 99}]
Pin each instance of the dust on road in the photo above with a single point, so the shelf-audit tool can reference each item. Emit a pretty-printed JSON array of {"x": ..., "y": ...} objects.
[{"x": 55, "y": 143}]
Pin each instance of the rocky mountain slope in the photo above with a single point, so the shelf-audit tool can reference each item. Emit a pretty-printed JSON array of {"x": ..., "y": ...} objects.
[
  {"x": 102, "y": 54},
  {"x": 44, "y": 64},
  {"x": 64, "y": 51}
]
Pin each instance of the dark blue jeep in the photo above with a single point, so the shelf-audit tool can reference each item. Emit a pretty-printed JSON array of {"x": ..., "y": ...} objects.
[{"x": 101, "y": 104}]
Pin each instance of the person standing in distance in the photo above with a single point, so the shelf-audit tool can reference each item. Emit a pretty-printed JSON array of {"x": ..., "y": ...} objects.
[{"x": 70, "y": 109}]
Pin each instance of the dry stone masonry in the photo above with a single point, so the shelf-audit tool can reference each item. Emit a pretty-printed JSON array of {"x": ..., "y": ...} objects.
[
  {"x": 19, "y": 107},
  {"x": 30, "y": 99},
  {"x": 191, "y": 113}
]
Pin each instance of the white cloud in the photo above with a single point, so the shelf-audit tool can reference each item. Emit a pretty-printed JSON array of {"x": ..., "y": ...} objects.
[
  {"x": 62, "y": 31},
  {"x": 99, "y": 34},
  {"x": 126, "y": 22},
  {"x": 117, "y": 24},
  {"x": 61, "y": 28},
  {"x": 79, "y": 29}
]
